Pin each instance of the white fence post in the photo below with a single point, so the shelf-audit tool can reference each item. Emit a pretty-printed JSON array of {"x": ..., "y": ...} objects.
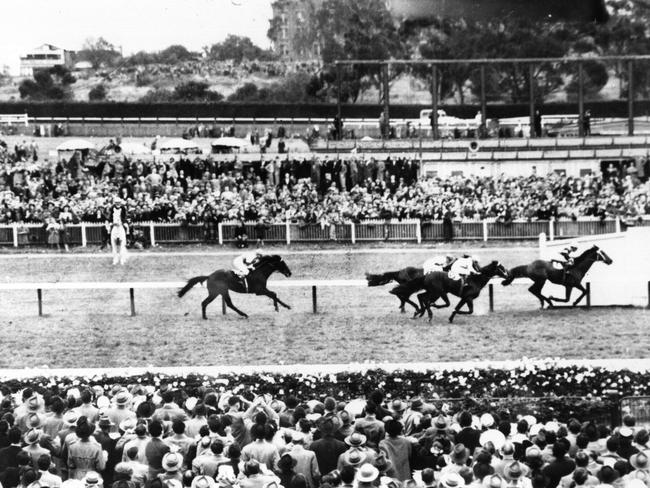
[
  {"x": 353, "y": 233},
  {"x": 15, "y": 233},
  {"x": 288, "y": 226},
  {"x": 618, "y": 225},
  {"x": 84, "y": 238},
  {"x": 542, "y": 244},
  {"x": 485, "y": 231},
  {"x": 551, "y": 229},
  {"x": 418, "y": 231},
  {"x": 220, "y": 229},
  {"x": 152, "y": 234}
]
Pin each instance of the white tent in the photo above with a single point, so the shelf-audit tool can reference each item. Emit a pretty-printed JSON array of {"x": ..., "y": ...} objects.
[
  {"x": 230, "y": 142},
  {"x": 75, "y": 145},
  {"x": 134, "y": 148}
]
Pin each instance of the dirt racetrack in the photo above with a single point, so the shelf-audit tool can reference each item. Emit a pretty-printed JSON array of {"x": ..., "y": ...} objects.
[{"x": 93, "y": 328}]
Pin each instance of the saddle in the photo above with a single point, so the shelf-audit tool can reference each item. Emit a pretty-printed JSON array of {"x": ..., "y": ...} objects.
[{"x": 241, "y": 279}]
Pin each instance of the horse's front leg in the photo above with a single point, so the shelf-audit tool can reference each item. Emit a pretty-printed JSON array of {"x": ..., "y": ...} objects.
[
  {"x": 583, "y": 293},
  {"x": 273, "y": 296},
  {"x": 458, "y": 311},
  {"x": 567, "y": 297}
]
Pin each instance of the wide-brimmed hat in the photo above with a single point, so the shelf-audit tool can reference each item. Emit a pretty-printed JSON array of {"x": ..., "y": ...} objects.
[
  {"x": 460, "y": 454},
  {"x": 356, "y": 439},
  {"x": 92, "y": 479},
  {"x": 452, "y": 480},
  {"x": 70, "y": 418},
  {"x": 417, "y": 403},
  {"x": 494, "y": 436},
  {"x": 441, "y": 422},
  {"x": 487, "y": 420},
  {"x": 493, "y": 481},
  {"x": 203, "y": 481},
  {"x": 639, "y": 461},
  {"x": 127, "y": 424},
  {"x": 32, "y": 436},
  {"x": 513, "y": 471},
  {"x": 367, "y": 473},
  {"x": 122, "y": 398},
  {"x": 172, "y": 462},
  {"x": 607, "y": 474},
  {"x": 104, "y": 421},
  {"x": 398, "y": 406},
  {"x": 34, "y": 420},
  {"x": 354, "y": 457}
]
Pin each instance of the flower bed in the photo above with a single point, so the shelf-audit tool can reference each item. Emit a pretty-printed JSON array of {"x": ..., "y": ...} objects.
[{"x": 546, "y": 390}]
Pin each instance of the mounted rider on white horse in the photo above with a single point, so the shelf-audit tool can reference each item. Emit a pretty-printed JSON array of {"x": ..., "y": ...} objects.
[{"x": 117, "y": 219}]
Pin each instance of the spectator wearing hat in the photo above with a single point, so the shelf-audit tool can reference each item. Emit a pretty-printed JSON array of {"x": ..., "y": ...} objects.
[
  {"x": 47, "y": 478},
  {"x": 458, "y": 459},
  {"x": 209, "y": 461},
  {"x": 346, "y": 428},
  {"x": 53, "y": 423},
  {"x": 514, "y": 475},
  {"x": 93, "y": 479},
  {"x": 84, "y": 455},
  {"x": 372, "y": 428},
  {"x": 32, "y": 447},
  {"x": 155, "y": 450},
  {"x": 506, "y": 454},
  {"x": 561, "y": 466},
  {"x": 397, "y": 409},
  {"x": 468, "y": 436},
  {"x": 120, "y": 412},
  {"x": 260, "y": 449},
  {"x": 451, "y": 480},
  {"x": 33, "y": 408},
  {"x": 611, "y": 456},
  {"x": 172, "y": 464},
  {"x": 327, "y": 448},
  {"x": 108, "y": 442},
  {"x": 306, "y": 463},
  {"x": 398, "y": 449},
  {"x": 640, "y": 463},
  {"x": 122, "y": 477},
  {"x": 357, "y": 452},
  {"x": 625, "y": 448},
  {"x": 413, "y": 416},
  {"x": 366, "y": 475},
  {"x": 87, "y": 409}
]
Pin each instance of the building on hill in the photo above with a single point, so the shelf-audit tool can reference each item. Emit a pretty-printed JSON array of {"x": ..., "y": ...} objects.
[
  {"x": 289, "y": 17},
  {"x": 45, "y": 56}
]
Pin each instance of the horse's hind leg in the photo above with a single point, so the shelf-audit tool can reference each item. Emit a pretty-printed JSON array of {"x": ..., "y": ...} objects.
[
  {"x": 445, "y": 298},
  {"x": 206, "y": 302},
  {"x": 536, "y": 289},
  {"x": 273, "y": 296},
  {"x": 567, "y": 297},
  {"x": 226, "y": 297}
]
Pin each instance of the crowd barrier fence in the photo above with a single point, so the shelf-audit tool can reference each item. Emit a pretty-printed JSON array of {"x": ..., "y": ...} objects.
[{"x": 413, "y": 230}]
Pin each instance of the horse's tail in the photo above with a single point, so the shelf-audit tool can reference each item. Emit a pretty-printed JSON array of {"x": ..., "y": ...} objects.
[
  {"x": 381, "y": 279},
  {"x": 516, "y": 272},
  {"x": 190, "y": 283}
]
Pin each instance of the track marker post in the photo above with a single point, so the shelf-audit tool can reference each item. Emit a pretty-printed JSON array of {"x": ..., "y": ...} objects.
[
  {"x": 588, "y": 295},
  {"x": 491, "y": 295},
  {"x": 39, "y": 294},
  {"x": 314, "y": 299},
  {"x": 132, "y": 300},
  {"x": 648, "y": 306},
  {"x": 223, "y": 305}
]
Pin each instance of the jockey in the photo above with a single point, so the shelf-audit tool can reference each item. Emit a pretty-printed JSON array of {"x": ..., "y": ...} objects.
[
  {"x": 566, "y": 258},
  {"x": 437, "y": 263},
  {"x": 462, "y": 268},
  {"x": 117, "y": 221},
  {"x": 243, "y": 264}
]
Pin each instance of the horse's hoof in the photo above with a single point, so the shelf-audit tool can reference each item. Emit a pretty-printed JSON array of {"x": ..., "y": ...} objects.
[
  {"x": 245, "y": 316},
  {"x": 288, "y": 307}
]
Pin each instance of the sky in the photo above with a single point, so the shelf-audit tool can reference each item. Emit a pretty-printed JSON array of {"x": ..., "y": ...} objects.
[{"x": 135, "y": 25}]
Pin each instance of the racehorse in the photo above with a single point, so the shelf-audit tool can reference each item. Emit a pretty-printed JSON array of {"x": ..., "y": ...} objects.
[
  {"x": 118, "y": 243},
  {"x": 222, "y": 281},
  {"x": 438, "y": 284},
  {"x": 402, "y": 276},
  {"x": 539, "y": 271}
]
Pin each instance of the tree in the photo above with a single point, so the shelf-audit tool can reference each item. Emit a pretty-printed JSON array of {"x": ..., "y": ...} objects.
[
  {"x": 237, "y": 49},
  {"x": 245, "y": 93},
  {"x": 99, "y": 52},
  {"x": 195, "y": 91},
  {"x": 98, "y": 93},
  {"x": 175, "y": 54},
  {"x": 48, "y": 84}
]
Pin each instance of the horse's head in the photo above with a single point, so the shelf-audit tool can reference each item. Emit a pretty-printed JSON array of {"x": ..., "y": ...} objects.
[
  {"x": 602, "y": 256},
  {"x": 277, "y": 264},
  {"x": 495, "y": 269}
]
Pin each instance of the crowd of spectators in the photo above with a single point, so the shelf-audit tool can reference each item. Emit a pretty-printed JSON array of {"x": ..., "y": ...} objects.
[
  {"x": 198, "y": 189},
  {"x": 146, "y": 436}
]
